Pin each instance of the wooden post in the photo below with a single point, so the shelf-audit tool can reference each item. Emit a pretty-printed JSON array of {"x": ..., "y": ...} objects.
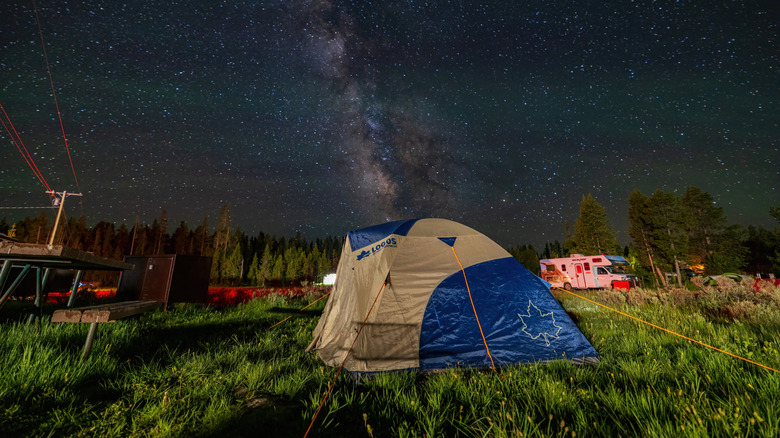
[
  {"x": 59, "y": 212},
  {"x": 57, "y": 221}
]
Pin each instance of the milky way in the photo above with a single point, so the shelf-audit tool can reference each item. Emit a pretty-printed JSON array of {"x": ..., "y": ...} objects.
[
  {"x": 395, "y": 165},
  {"x": 324, "y": 116}
]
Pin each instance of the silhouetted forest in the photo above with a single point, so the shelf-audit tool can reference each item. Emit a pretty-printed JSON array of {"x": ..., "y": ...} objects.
[
  {"x": 259, "y": 260},
  {"x": 667, "y": 231}
]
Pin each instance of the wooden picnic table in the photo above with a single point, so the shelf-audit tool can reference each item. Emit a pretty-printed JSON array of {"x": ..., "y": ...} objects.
[{"x": 102, "y": 313}]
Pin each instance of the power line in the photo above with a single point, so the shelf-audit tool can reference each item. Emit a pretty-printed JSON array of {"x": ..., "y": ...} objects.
[
  {"x": 17, "y": 141},
  {"x": 54, "y": 93},
  {"x": 29, "y": 208}
]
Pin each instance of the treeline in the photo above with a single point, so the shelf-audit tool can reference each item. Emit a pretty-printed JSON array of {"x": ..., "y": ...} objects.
[
  {"x": 237, "y": 258},
  {"x": 669, "y": 233}
]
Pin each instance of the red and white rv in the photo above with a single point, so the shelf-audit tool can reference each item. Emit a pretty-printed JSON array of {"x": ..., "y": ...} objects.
[{"x": 587, "y": 272}]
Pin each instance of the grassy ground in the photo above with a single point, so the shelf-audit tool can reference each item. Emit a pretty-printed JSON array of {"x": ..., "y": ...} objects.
[{"x": 196, "y": 371}]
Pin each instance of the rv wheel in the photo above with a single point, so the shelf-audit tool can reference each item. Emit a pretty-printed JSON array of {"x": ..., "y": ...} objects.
[{"x": 567, "y": 286}]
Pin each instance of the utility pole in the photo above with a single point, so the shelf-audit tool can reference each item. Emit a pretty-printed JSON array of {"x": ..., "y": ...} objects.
[{"x": 61, "y": 201}]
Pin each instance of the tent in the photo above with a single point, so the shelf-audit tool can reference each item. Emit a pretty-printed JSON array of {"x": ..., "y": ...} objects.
[{"x": 431, "y": 294}]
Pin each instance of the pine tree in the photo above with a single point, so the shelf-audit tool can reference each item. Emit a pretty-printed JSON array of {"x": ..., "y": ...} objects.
[
  {"x": 134, "y": 236},
  {"x": 182, "y": 239},
  {"x": 151, "y": 238},
  {"x": 307, "y": 265},
  {"x": 314, "y": 263},
  {"x": 527, "y": 257},
  {"x": 556, "y": 250},
  {"x": 324, "y": 265},
  {"x": 121, "y": 242},
  {"x": 232, "y": 265},
  {"x": 774, "y": 211},
  {"x": 106, "y": 230},
  {"x": 712, "y": 242},
  {"x": 763, "y": 255},
  {"x": 141, "y": 239},
  {"x": 216, "y": 267},
  {"x": 201, "y": 240},
  {"x": 569, "y": 246},
  {"x": 39, "y": 229},
  {"x": 77, "y": 229},
  {"x": 266, "y": 265},
  {"x": 640, "y": 225},
  {"x": 277, "y": 272},
  {"x": 253, "y": 275},
  {"x": 592, "y": 233},
  {"x": 293, "y": 263},
  {"x": 670, "y": 224},
  {"x": 707, "y": 223},
  {"x": 161, "y": 237},
  {"x": 222, "y": 235},
  {"x": 546, "y": 254},
  {"x": 96, "y": 243},
  {"x": 729, "y": 253}
]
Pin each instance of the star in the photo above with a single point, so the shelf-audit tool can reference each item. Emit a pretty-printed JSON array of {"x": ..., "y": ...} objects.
[{"x": 330, "y": 116}]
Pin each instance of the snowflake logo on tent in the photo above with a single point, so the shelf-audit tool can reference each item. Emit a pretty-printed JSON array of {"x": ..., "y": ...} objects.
[{"x": 536, "y": 324}]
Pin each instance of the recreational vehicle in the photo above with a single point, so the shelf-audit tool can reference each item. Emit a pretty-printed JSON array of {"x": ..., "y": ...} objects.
[{"x": 587, "y": 272}]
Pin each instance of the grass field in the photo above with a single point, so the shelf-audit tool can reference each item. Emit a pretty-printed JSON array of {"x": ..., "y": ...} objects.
[{"x": 195, "y": 371}]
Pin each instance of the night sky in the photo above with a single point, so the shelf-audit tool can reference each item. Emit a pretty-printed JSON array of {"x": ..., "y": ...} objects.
[{"x": 325, "y": 116}]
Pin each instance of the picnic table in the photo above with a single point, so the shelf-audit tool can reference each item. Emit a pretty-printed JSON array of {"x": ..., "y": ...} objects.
[
  {"x": 102, "y": 313},
  {"x": 42, "y": 259}
]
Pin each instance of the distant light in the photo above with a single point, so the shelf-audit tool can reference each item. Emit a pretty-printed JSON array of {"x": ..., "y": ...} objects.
[{"x": 329, "y": 280}]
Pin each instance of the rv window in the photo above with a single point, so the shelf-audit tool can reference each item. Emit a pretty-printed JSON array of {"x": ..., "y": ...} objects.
[
  {"x": 597, "y": 260},
  {"x": 587, "y": 266},
  {"x": 549, "y": 268},
  {"x": 563, "y": 267}
]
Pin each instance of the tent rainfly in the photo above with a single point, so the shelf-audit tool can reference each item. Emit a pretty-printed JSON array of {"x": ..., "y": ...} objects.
[{"x": 436, "y": 294}]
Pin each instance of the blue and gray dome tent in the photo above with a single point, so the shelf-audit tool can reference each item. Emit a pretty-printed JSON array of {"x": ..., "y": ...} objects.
[{"x": 443, "y": 295}]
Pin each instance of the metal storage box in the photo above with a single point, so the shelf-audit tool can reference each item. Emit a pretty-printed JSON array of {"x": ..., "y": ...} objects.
[{"x": 169, "y": 278}]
